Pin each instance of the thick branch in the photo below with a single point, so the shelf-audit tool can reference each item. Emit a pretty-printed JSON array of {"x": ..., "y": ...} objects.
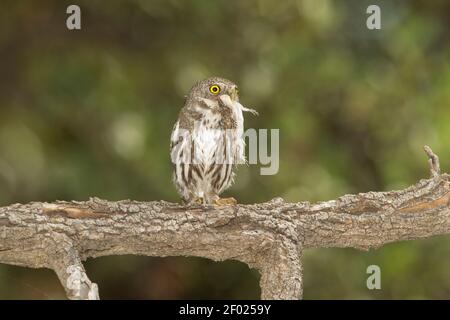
[{"x": 268, "y": 236}]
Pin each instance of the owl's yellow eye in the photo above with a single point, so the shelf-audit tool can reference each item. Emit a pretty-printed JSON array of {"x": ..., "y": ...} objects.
[{"x": 214, "y": 89}]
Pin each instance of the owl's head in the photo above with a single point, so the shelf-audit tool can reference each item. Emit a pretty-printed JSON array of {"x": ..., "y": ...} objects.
[{"x": 214, "y": 89}]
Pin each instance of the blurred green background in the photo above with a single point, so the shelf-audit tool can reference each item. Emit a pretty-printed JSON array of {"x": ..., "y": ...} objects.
[{"x": 89, "y": 113}]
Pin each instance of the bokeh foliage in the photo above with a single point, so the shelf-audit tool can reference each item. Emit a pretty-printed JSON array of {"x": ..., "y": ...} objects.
[{"x": 89, "y": 113}]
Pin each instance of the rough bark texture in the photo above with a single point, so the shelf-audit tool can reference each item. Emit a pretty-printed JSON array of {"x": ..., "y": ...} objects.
[{"x": 268, "y": 236}]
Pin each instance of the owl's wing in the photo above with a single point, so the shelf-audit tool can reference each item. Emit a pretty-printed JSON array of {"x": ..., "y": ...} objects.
[
  {"x": 176, "y": 141},
  {"x": 174, "y": 136},
  {"x": 180, "y": 145}
]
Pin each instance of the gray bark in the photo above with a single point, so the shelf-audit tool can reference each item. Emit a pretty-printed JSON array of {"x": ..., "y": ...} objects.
[{"x": 267, "y": 236}]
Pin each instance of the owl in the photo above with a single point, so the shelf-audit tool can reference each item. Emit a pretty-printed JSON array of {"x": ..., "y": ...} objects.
[{"x": 207, "y": 142}]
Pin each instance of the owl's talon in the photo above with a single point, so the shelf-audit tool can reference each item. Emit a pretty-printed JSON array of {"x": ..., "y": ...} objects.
[
  {"x": 198, "y": 201},
  {"x": 192, "y": 202},
  {"x": 225, "y": 201}
]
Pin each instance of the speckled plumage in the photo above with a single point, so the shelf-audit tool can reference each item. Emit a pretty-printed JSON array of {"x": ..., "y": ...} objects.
[{"x": 206, "y": 142}]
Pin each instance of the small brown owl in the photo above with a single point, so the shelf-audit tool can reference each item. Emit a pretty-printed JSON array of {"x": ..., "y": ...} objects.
[{"x": 207, "y": 142}]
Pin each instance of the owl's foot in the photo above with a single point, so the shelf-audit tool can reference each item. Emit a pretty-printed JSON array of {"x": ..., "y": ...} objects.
[
  {"x": 225, "y": 201},
  {"x": 193, "y": 202},
  {"x": 198, "y": 201}
]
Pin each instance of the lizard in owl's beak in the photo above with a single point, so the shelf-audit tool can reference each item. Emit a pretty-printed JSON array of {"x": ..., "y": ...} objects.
[{"x": 232, "y": 101}]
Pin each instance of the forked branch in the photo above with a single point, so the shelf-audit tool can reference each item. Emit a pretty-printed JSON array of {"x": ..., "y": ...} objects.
[{"x": 267, "y": 236}]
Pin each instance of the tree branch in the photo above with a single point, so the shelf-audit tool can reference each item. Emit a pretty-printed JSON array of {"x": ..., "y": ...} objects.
[{"x": 268, "y": 236}]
